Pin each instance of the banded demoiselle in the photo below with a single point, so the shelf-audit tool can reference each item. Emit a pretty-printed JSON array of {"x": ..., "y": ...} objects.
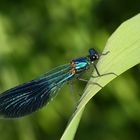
[{"x": 31, "y": 96}]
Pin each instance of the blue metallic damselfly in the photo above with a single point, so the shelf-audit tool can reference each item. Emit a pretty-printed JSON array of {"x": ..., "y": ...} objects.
[{"x": 31, "y": 96}]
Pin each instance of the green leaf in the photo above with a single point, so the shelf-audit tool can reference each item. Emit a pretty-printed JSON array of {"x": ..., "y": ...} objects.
[{"x": 124, "y": 48}]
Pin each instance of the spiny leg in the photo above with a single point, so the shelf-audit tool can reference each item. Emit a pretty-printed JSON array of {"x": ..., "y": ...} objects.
[
  {"x": 84, "y": 80},
  {"x": 100, "y": 75},
  {"x": 105, "y": 53}
]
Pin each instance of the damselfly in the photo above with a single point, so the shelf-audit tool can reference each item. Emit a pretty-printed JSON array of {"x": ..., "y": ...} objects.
[{"x": 31, "y": 96}]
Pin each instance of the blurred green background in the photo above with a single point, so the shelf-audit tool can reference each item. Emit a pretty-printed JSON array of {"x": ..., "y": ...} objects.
[{"x": 36, "y": 36}]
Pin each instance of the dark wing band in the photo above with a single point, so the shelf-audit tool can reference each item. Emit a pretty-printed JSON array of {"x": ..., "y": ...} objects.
[{"x": 29, "y": 97}]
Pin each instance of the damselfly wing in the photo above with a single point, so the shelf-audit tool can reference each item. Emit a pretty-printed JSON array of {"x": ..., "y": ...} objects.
[{"x": 29, "y": 97}]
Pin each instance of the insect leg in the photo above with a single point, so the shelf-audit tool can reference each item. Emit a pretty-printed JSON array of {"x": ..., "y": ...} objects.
[
  {"x": 84, "y": 80},
  {"x": 100, "y": 75}
]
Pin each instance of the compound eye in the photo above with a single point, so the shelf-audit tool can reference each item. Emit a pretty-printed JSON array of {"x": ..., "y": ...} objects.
[{"x": 94, "y": 57}]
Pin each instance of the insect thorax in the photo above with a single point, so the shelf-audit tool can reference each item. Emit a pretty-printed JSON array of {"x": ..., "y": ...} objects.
[{"x": 81, "y": 64}]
